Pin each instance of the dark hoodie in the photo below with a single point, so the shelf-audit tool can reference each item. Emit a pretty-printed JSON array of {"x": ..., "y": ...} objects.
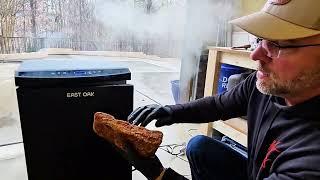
[{"x": 283, "y": 142}]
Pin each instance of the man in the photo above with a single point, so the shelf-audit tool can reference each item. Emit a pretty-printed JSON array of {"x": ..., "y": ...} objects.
[{"x": 281, "y": 100}]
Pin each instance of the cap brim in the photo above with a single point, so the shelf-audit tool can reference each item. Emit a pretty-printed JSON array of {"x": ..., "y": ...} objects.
[{"x": 267, "y": 26}]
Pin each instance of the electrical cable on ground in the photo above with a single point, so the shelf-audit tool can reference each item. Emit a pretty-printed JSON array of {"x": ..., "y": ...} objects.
[
  {"x": 149, "y": 98},
  {"x": 9, "y": 144},
  {"x": 171, "y": 149}
]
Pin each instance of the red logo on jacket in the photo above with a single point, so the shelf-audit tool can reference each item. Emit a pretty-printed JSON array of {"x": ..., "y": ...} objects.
[{"x": 272, "y": 148}]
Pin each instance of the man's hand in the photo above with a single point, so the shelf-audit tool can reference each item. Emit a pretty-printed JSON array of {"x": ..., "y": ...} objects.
[
  {"x": 151, "y": 167},
  {"x": 145, "y": 114}
]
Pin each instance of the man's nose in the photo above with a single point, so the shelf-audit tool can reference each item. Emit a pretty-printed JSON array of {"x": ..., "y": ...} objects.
[{"x": 260, "y": 54}]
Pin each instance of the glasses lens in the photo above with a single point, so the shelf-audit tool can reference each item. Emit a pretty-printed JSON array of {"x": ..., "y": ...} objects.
[{"x": 271, "y": 48}]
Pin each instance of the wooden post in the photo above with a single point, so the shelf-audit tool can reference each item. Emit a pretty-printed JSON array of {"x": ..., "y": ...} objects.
[{"x": 212, "y": 77}]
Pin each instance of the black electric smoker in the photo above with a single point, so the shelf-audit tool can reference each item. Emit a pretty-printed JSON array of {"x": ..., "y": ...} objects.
[{"x": 57, "y": 100}]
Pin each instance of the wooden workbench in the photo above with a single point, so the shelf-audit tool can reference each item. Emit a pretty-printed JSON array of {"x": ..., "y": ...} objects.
[{"x": 235, "y": 128}]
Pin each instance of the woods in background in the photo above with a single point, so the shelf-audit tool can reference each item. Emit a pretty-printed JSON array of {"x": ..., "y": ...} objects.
[{"x": 29, "y": 25}]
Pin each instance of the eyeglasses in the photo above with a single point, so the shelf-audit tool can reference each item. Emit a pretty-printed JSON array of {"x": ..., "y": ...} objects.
[{"x": 274, "y": 50}]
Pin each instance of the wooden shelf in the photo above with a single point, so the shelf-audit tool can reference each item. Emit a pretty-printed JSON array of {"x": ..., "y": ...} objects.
[
  {"x": 235, "y": 128},
  {"x": 234, "y": 57}
]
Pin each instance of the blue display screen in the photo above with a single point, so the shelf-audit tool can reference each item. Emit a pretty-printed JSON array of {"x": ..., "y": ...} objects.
[
  {"x": 80, "y": 73},
  {"x": 71, "y": 73}
]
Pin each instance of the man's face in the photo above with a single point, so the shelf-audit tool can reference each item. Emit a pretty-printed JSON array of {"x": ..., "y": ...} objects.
[{"x": 291, "y": 73}]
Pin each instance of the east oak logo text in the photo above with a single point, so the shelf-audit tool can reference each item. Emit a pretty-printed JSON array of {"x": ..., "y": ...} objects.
[{"x": 80, "y": 94}]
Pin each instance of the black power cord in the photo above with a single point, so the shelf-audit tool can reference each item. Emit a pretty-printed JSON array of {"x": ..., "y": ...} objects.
[
  {"x": 9, "y": 144},
  {"x": 172, "y": 150}
]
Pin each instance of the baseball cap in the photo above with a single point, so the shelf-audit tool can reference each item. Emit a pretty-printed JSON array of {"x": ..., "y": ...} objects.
[{"x": 283, "y": 20}]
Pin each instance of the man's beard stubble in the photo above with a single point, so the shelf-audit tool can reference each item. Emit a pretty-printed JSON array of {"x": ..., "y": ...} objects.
[{"x": 275, "y": 86}]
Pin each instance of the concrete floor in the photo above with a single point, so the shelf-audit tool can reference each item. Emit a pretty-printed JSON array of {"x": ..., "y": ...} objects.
[{"x": 151, "y": 79}]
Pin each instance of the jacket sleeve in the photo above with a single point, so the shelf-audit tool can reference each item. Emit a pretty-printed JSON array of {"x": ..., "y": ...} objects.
[
  {"x": 232, "y": 103},
  {"x": 170, "y": 174}
]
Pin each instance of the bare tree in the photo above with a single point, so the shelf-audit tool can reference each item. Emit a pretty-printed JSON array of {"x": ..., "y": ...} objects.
[
  {"x": 33, "y": 6},
  {"x": 8, "y": 11},
  {"x": 35, "y": 24},
  {"x": 152, "y": 6}
]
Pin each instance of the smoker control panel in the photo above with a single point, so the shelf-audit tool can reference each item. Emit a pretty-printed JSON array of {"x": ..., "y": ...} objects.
[{"x": 71, "y": 73}]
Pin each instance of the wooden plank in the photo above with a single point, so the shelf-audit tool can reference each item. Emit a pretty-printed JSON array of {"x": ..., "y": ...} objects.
[
  {"x": 229, "y": 50},
  {"x": 238, "y": 124},
  {"x": 231, "y": 132},
  {"x": 238, "y": 60},
  {"x": 212, "y": 76},
  {"x": 206, "y": 129}
]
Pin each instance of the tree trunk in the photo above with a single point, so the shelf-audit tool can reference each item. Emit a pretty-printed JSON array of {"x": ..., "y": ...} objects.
[
  {"x": 148, "y": 6},
  {"x": 33, "y": 7}
]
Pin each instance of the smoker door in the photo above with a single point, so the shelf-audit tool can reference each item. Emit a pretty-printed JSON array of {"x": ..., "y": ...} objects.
[{"x": 59, "y": 141}]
